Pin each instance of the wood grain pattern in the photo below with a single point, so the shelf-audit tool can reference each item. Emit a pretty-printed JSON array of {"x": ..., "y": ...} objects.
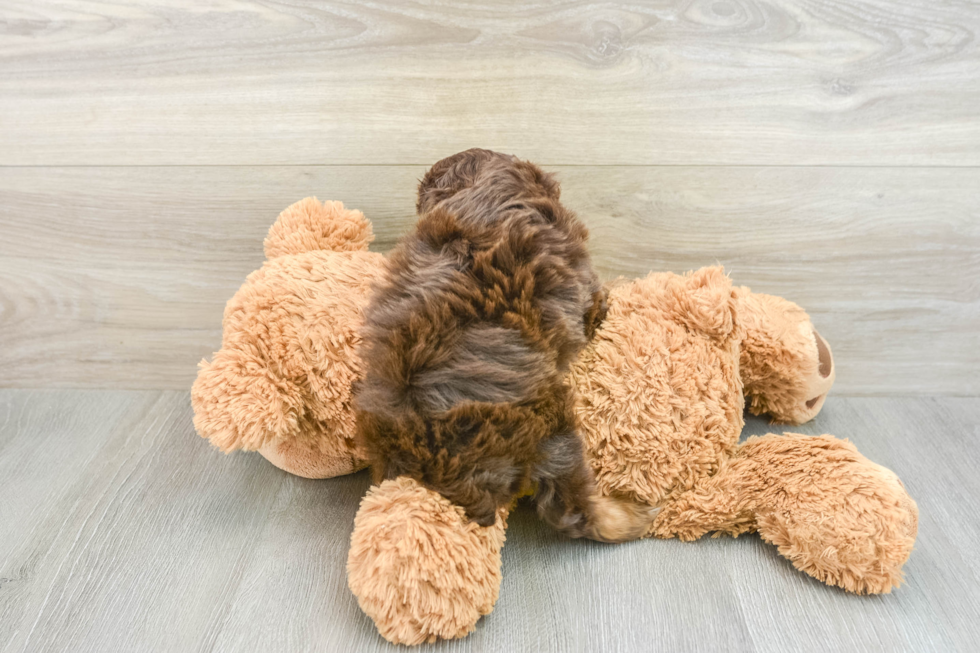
[
  {"x": 859, "y": 82},
  {"x": 120, "y": 529},
  {"x": 117, "y": 277},
  {"x": 824, "y": 150}
]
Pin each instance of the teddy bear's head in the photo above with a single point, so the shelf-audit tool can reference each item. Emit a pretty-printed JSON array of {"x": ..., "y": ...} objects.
[{"x": 282, "y": 382}]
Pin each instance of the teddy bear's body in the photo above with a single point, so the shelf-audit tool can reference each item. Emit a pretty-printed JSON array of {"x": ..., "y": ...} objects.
[
  {"x": 660, "y": 404},
  {"x": 660, "y": 396}
]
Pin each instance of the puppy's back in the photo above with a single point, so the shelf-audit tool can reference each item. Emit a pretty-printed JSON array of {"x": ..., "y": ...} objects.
[{"x": 466, "y": 342}]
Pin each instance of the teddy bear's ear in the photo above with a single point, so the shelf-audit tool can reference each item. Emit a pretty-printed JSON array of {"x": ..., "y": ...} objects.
[
  {"x": 239, "y": 403},
  {"x": 308, "y": 225}
]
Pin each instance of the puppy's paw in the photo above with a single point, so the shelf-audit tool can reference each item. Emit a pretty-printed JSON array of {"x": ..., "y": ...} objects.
[{"x": 620, "y": 520}]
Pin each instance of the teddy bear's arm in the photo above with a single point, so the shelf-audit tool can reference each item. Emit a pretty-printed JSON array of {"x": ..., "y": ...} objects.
[{"x": 240, "y": 404}]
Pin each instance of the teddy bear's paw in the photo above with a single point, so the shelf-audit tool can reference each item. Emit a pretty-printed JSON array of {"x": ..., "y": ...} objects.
[
  {"x": 786, "y": 366},
  {"x": 418, "y": 567}
]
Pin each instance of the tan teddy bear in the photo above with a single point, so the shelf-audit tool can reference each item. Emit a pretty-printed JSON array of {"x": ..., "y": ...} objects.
[{"x": 661, "y": 390}]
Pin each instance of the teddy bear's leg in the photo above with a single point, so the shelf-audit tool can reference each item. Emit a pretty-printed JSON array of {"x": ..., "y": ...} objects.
[
  {"x": 240, "y": 404},
  {"x": 309, "y": 225},
  {"x": 418, "y": 567},
  {"x": 786, "y": 367},
  {"x": 832, "y": 512}
]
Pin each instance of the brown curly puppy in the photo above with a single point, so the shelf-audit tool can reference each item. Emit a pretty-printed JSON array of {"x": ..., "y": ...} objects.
[{"x": 467, "y": 342}]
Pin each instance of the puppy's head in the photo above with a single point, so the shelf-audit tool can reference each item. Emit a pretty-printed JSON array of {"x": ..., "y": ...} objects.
[{"x": 503, "y": 176}]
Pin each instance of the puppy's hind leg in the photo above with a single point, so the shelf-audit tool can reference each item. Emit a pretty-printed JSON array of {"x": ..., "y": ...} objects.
[{"x": 566, "y": 496}]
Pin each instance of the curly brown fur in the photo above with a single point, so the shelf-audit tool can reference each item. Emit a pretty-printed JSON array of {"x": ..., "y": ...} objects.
[{"x": 467, "y": 343}]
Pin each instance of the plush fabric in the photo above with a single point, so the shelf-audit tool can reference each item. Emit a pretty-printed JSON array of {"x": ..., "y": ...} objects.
[
  {"x": 660, "y": 393},
  {"x": 282, "y": 381},
  {"x": 418, "y": 567},
  {"x": 659, "y": 398},
  {"x": 832, "y": 512},
  {"x": 787, "y": 368},
  {"x": 660, "y": 403}
]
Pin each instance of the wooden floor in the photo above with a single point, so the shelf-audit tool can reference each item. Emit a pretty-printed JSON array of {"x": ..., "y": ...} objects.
[
  {"x": 121, "y": 530},
  {"x": 823, "y": 150}
]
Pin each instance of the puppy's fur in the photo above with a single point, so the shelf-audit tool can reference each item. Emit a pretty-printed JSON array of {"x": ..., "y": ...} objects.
[{"x": 468, "y": 339}]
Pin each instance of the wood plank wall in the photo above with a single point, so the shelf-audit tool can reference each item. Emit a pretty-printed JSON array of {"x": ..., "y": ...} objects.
[{"x": 827, "y": 151}]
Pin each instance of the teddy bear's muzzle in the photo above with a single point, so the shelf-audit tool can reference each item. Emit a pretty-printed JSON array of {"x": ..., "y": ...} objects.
[{"x": 820, "y": 382}]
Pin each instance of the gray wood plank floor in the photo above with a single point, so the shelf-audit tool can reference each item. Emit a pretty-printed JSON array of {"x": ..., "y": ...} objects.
[{"x": 121, "y": 530}]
